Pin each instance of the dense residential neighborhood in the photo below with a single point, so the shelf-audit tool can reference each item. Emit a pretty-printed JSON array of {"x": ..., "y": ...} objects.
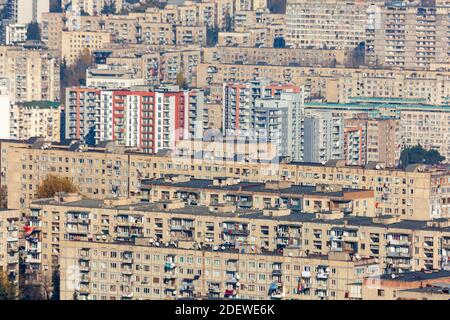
[{"x": 224, "y": 150}]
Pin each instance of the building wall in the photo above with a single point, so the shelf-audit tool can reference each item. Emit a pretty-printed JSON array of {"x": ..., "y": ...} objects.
[
  {"x": 33, "y": 73},
  {"x": 413, "y": 194},
  {"x": 397, "y": 247},
  {"x": 75, "y": 42},
  {"x": 36, "y": 120}
]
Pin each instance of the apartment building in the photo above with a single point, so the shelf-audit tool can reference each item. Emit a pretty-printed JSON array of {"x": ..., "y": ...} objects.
[
  {"x": 408, "y": 35},
  {"x": 151, "y": 120},
  {"x": 157, "y": 33},
  {"x": 51, "y": 30},
  {"x": 10, "y": 228},
  {"x": 123, "y": 29},
  {"x": 426, "y": 127},
  {"x": 259, "y": 196},
  {"x": 26, "y": 11},
  {"x": 325, "y": 24},
  {"x": 408, "y": 286},
  {"x": 160, "y": 64},
  {"x": 93, "y": 7},
  {"x": 32, "y": 72},
  {"x": 240, "y": 99},
  {"x": 189, "y": 35},
  {"x": 418, "y": 124},
  {"x": 416, "y": 193},
  {"x": 36, "y": 119},
  {"x": 113, "y": 76},
  {"x": 372, "y": 140},
  {"x": 74, "y": 43},
  {"x": 322, "y": 138},
  {"x": 214, "y": 146},
  {"x": 145, "y": 271},
  {"x": 16, "y": 34},
  {"x": 337, "y": 84},
  {"x": 275, "y": 56},
  {"x": 398, "y": 246}
]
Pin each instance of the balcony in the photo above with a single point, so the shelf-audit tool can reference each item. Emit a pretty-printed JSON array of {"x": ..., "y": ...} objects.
[
  {"x": 84, "y": 278},
  {"x": 85, "y": 268},
  {"x": 306, "y": 274},
  {"x": 397, "y": 254},
  {"x": 128, "y": 295}
]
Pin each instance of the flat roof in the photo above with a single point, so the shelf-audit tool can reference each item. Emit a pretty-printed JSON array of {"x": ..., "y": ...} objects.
[
  {"x": 247, "y": 187},
  {"x": 414, "y": 276},
  {"x": 249, "y": 214}
]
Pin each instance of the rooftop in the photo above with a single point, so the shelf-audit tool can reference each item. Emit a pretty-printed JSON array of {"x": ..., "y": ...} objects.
[
  {"x": 414, "y": 276},
  {"x": 251, "y": 187},
  {"x": 40, "y": 104},
  {"x": 250, "y": 214}
]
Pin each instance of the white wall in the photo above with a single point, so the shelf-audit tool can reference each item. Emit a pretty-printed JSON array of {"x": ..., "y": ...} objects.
[{"x": 4, "y": 117}]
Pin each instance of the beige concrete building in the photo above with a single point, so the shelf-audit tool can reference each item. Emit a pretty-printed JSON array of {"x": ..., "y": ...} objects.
[
  {"x": 408, "y": 286},
  {"x": 36, "y": 119},
  {"x": 427, "y": 127},
  {"x": 325, "y": 24},
  {"x": 119, "y": 271},
  {"x": 397, "y": 246},
  {"x": 93, "y": 7},
  {"x": 418, "y": 193},
  {"x": 51, "y": 30},
  {"x": 413, "y": 35},
  {"x": 275, "y": 56},
  {"x": 337, "y": 84},
  {"x": 244, "y": 195},
  {"x": 33, "y": 72},
  {"x": 157, "y": 33},
  {"x": 372, "y": 140},
  {"x": 187, "y": 36},
  {"x": 73, "y": 43},
  {"x": 10, "y": 228}
]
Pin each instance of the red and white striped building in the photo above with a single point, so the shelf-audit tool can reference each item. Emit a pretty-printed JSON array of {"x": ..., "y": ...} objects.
[{"x": 151, "y": 120}]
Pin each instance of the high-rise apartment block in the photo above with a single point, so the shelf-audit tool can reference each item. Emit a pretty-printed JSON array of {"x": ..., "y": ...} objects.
[
  {"x": 333, "y": 24},
  {"x": 151, "y": 120},
  {"x": 32, "y": 71},
  {"x": 36, "y": 119}
]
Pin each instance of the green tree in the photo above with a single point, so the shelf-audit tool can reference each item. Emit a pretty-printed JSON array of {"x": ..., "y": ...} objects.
[
  {"x": 55, "y": 6},
  {"x": 358, "y": 55},
  {"x": 277, "y": 6},
  {"x": 418, "y": 154},
  {"x": 33, "y": 31},
  {"x": 228, "y": 22},
  {"x": 212, "y": 36},
  {"x": 8, "y": 291},
  {"x": 74, "y": 75},
  {"x": 279, "y": 42},
  {"x": 31, "y": 292},
  {"x": 109, "y": 8},
  {"x": 181, "y": 82},
  {"x": 54, "y": 184},
  {"x": 56, "y": 284}
]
